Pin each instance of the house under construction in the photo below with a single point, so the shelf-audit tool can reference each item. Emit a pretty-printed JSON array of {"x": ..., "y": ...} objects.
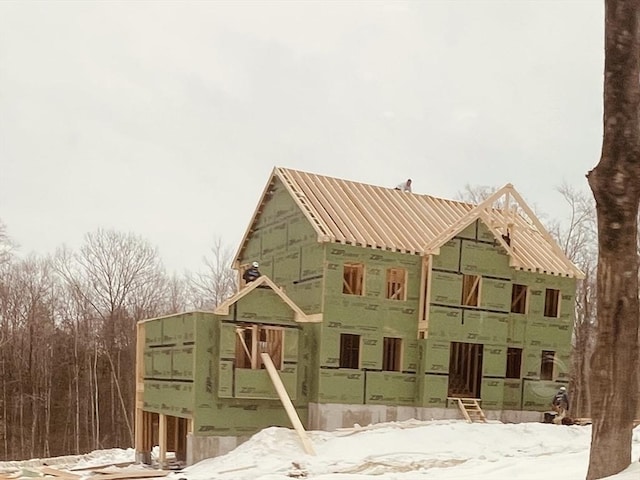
[{"x": 373, "y": 305}]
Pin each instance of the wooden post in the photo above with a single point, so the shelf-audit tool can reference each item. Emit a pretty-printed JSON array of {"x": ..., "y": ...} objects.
[
  {"x": 162, "y": 440},
  {"x": 286, "y": 402},
  {"x": 139, "y": 383}
]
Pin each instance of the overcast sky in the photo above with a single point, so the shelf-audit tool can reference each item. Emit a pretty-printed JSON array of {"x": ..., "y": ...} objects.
[{"x": 166, "y": 118}]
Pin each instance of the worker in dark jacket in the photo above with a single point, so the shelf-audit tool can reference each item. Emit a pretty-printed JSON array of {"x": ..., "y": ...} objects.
[
  {"x": 560, "y": 404},
  {"x": 252, "y": 273}
]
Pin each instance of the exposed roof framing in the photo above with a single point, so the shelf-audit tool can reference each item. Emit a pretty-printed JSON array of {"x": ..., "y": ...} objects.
[
  {"x": 354, "y": 213},
  {"x": 299, "y": 315}
]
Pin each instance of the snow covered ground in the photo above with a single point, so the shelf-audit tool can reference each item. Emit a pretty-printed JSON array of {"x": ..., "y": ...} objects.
[{"x": 445, "y": 449}]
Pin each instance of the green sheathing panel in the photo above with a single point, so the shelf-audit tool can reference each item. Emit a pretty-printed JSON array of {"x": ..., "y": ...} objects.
[
  {"x": 468, "y": 326},
  {"x": 562, "y": 365},
  {"x": 548, "y": 335},
  {"x": 153, "y": 333},
  {"x": 494, "y": 360},
  {"x": 495, "y": 295},
  {"x": 309, "y": 354},
  {"x": 169, "y": 398},
  {"x": 516, "y": 330},
  {"x": 492, "y": 393},
  {"x": 390, "y": 388},
  {"x": 206, "y": 329},
  {"x": 341, "y": 386},
  {"x": 257, "y": 383},
  {"x": 291, "y": 341},
  {"x": 261, "y": 305},
  {"x": 225, "y": 379},
  {"x": 286, "y": 245},
  {"x": 436, "y": 356},
  {"x": 434, "y": 391},
  {"x": 161, "y": 357},
  {"x": 483, "y": 232},
  {"x": 443, "y": 321},
  {"x": 531, "y": 358},
  {"x": 449, "y": 257},
  {"x": 446, "y": 288},
  {"x": 484, "y": 327},
  {"x": 243, "y": 418},
  {"x": 512, "y": 399},
  {"x": 169, "y": 359},
  {"x": 182, "y": 363},
  {"x": 470, "y": 232},
  {"x": 479, "y": 258},
  {"x": 227, "y": 340},
  {"x": 537, "y": 394}
]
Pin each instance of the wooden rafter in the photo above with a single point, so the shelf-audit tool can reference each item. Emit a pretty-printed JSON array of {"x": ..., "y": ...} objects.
[{"x": 382, "y": 218}]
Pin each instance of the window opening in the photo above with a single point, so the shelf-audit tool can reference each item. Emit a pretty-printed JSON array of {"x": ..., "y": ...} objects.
[
  {"x": 546, "y": 366},
  {"x": 349, "y": 350},
  {"x": 396, "y": 283},
  {"x": 519, "y": 298},
  {"x": 353, "y": 279},
  {"x": 253, "y": 340},
  {"x": 392, "y": 354},
  {"x": 552, "y": 303},
  {"x": 514, "y": 362},
  {"x": 470, "y": 290}
]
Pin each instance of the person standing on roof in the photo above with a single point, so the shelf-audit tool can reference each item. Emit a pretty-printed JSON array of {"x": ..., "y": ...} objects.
[
  {"x": 560, "y": 404},
  {"x": 404, "y": 186},
  {"x": 252, "y": 273}
]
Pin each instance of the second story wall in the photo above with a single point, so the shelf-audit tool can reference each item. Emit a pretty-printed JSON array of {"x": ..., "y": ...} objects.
[
  {"x": 372, "y": 294},
  {"x": 287, "y": 248}
]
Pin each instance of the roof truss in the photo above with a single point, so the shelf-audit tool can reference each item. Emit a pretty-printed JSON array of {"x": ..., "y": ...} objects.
[{"x": 299, "y": 315}]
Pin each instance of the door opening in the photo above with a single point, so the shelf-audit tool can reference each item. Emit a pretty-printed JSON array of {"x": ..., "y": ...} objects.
[{"x": 465, "y": 370}]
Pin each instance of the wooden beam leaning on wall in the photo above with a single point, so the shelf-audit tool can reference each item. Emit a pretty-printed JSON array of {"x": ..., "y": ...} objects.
[{"x": 286, "y": 402}]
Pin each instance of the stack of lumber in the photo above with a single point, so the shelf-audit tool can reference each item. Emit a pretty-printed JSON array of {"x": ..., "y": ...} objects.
[{"x": 118, "y": 471}]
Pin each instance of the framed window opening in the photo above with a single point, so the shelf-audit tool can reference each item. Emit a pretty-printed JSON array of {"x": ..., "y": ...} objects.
[
  {"x": 514, "y": 362},
  {"x": 519, "y": 298},
  {"x": 470, "y": 290},
  {"x": 353, "y": 279},
  {"x": 397, "y": 284},
  {"x": 552, "y": 303},
  {"x": 392, "y": 354},
  {"x": 546, "y": 365},
  {"x": 252, "y": 340},
  {"x": 349, "y": 351}
]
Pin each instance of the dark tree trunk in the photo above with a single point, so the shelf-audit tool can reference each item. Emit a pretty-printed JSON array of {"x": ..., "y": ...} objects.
[{"x": 615, "y": 183}]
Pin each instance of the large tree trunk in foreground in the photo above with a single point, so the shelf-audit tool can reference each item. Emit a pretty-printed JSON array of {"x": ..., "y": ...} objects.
[{"x": 615, "y": 183}]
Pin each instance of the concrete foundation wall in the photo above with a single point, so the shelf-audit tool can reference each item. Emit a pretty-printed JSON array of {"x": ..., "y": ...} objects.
[{"x": 331, "y": 416}]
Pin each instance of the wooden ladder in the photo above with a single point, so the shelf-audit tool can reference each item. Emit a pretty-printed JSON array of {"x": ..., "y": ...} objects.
[{"x": 470, "y": 409}]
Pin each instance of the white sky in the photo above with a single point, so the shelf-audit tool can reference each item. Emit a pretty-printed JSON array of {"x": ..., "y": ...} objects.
[
  {"x": 166, "y": 118},
  {"x": 411, "y": 450}
]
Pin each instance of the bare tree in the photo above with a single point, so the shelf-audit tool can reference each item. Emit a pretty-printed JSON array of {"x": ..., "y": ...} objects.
[
  {"x": 217, "y": 283},
  {"x": 615, "y": 183},
  {"x": 120, "y": 276},
  {"x": 7, "y": 245},
  {"x": 576, "y": 234}
]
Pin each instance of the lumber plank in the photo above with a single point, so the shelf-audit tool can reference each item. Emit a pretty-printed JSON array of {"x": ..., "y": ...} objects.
[
  {"x": 58, "y": 473},
  {"x": 101, "y": 465},
  {"x": 131, "y": 474}
]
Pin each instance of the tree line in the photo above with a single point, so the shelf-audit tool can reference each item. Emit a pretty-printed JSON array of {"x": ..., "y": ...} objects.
[
  {"x": 67, "y": 332},
  {"x": 67, "y": 329}
]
